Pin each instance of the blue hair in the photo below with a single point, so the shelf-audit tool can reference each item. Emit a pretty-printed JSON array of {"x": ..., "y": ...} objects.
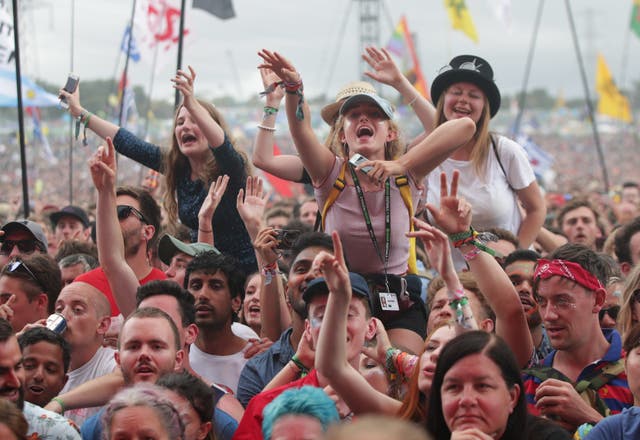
[{"x": 308, "y": 401}]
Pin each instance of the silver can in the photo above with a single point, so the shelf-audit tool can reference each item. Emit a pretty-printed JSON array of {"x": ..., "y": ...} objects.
[{"x": 56, "y": 323}]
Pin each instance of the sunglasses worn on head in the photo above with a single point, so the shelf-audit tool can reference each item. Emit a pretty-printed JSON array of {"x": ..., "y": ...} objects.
[
  {"x": 19, "y": 265},
  {"x": 25, "y": 247},
  {"x": 611, "y": 311},
  {"x": 124, "y": 211}
]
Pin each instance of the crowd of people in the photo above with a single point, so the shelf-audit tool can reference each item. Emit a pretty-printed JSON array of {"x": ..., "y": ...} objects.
[{"x": 427, "y": 282}]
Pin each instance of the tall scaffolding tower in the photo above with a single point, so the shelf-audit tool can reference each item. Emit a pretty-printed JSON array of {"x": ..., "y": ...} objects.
[{"x": 369, "y": 27}]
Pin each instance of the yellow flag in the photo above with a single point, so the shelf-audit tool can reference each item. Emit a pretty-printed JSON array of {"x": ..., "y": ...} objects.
[
  {"x": 461, "y": 18},
  {"x": 612, "y": 102}
]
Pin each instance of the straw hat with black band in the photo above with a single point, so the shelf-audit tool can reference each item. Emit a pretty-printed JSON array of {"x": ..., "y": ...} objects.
[{"x": 471, "y": 69}]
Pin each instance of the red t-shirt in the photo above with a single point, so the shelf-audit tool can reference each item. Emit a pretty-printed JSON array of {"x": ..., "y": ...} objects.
[
  {"x": 98, "y": 279},
  {"x": 250, "y": 427}
]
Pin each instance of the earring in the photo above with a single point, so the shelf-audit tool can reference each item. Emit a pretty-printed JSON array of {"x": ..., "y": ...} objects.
[{"x": 345, "y": 148}]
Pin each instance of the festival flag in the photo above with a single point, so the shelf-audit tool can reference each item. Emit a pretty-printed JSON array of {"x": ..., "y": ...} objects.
[
  {"x": 220, "y": 8},
  {"x": 540, "y": 160},
  {"x": 461, "y": 18},
  {"x": 157, "y": 25},
  {"x": 126, "y": 94},
  {"x": 401, "y": 44},
  {"x": 635, "y": 17},
  {"x": 130, "y": 46},
  {"x": 502, "y": 10},
  {"x": 7, "y": 46},
  {"x": 39, "y": 133},
  {"x": 611, "y": 103}
]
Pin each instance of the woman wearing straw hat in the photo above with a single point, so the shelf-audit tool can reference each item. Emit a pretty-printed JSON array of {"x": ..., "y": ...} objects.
[
  {"x": 385, "y": 71},
  {"x": 495, "y": 174},
  {"x": 371, "y": 200}
]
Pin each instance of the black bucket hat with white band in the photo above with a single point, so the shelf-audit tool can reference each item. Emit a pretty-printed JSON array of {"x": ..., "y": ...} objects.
[{"x": 472, "y": 69}]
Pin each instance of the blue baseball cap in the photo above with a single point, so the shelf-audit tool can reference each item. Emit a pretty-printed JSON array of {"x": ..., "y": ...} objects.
[
  {"x": 370, "y": 98},
  {"x": 359, "y": 287}
]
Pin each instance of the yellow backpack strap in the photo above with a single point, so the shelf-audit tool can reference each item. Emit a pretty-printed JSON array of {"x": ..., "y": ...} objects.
[
  {"x": 402, "y": 182},
  {"x": 337, "y": 188}
]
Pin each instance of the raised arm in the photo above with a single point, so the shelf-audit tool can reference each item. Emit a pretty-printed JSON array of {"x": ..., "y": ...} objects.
[
  {"x": 535, "y": 212},
  {"x": 183, "y": 81},
  {"x": 454, "y": 217},
  {"x": 99, "y": 126},
  {"x": 284, "y": 166},
  {"x": 316, "y": 158},
  {"x": 122, "y": 279},
  {"x": 428, "y": 154},
  {"x": 208, "y": 208},
  {"x": 386, "y": 72},
  {"x": 96, "y": 392},
  {"x": 331, "y": 358}
]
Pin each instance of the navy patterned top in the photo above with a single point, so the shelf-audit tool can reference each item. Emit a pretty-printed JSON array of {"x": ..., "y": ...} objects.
[{"x": 231, "y": 237}]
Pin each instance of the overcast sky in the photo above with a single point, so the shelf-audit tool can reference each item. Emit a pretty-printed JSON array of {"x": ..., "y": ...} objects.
[{"x": 308, "y": 32}]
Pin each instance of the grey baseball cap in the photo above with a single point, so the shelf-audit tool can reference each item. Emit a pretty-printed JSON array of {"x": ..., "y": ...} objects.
[
  {"x": 384, "y": 105},
  {"x": 169, "y": 246},
  {"x": 26, "y": 225}
]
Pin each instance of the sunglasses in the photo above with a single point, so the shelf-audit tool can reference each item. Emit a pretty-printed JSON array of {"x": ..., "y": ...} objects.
[
  {"x": 468, "y": 65},
  {"x": 18, "y": 265},
  {"x": 611, "y": 311},
  {"x": 125, "y": 211},
  {"x": 25, "y": 247}
]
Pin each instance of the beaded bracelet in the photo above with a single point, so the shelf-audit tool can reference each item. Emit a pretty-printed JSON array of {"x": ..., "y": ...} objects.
[{"x": 265, "y": 128}]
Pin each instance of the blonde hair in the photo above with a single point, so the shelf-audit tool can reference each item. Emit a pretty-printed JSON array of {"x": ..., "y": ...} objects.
[
  {"x": 481, "y": 138},
  {"x": 174, "y": 162},
  {"x": 625, "y": 318},
  {"x": 392, "y": 149}
]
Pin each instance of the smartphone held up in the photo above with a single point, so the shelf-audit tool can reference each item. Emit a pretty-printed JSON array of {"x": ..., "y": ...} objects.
[{"x": 70, "y": 86}]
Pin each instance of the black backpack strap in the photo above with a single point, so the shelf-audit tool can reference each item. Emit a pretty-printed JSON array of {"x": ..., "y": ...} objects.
[{"x": 495, "y": 151}]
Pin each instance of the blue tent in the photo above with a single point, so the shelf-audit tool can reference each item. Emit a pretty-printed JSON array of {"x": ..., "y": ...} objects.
[{"x": 32, "y": 94}]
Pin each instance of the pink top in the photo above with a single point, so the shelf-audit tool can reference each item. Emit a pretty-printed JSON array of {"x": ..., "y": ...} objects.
[{"x": 345, "y": 216}]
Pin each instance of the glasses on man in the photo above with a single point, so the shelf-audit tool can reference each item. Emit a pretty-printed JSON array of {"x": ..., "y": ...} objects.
[
  {"x": 611, "y": 311},
  {"x": 124, "y": 211},
  {"x": 19, "y": 266},
  {"x": 26, "y": 247}
]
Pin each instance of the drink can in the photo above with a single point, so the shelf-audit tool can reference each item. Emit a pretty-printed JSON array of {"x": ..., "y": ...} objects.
[{"x": 56, "y": 323}]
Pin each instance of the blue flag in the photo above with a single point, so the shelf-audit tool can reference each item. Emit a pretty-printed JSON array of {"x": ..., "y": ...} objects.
[{"x": 134, "y": 51}]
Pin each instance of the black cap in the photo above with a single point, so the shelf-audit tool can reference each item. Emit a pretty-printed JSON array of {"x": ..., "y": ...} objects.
[{"x": 72, "y": 211}]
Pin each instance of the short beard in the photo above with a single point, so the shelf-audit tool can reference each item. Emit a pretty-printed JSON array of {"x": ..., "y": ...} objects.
[{"x": 298, "y": 306}]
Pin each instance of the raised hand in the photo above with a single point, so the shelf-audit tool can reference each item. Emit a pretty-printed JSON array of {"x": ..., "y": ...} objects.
[
  {"x": 334, "y": 268},
  {"x": 385, "y": 69},
  {"x": 183, "y": 82},
  {"x": 211, "y": 202},
  {"x": 454, "y": 214},
  {"x": 278, "y": 65},
  {"x": 379, "y": 351},
  {"x": 103, "y": 167},
  {"x": 251, "y": 203},
  {"x": 266, "y": 244},
  {"x": 73, "y": 99},
  {"x": 381, "y": 169},
  {"x": 270, "y": 80},
  {"x": 436, "y": 245}
]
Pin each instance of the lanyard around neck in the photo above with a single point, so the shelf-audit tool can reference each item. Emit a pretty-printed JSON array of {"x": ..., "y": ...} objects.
[{"x": 367, "y": 218}]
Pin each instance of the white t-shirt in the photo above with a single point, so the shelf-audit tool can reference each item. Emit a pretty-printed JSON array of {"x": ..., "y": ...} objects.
[
  {"x": 223, "y": 370},
  {"x": 493, "y": 203},
  {"x": 100, "y": 364}
]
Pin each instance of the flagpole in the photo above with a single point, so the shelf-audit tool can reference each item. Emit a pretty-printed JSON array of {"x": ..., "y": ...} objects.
[
  {"x": 126, "y": 65},
  {"x": 176, "y": 101},
  {"x": 71, "y": 121},
  {"x": 583, "y": 75},
  {"x": 527, "y": 70},
  {"x": 23, "y": 158}
]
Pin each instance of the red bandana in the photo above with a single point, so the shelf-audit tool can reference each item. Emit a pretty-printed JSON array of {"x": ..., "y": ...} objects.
[{"x": 566, "y": 269}]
